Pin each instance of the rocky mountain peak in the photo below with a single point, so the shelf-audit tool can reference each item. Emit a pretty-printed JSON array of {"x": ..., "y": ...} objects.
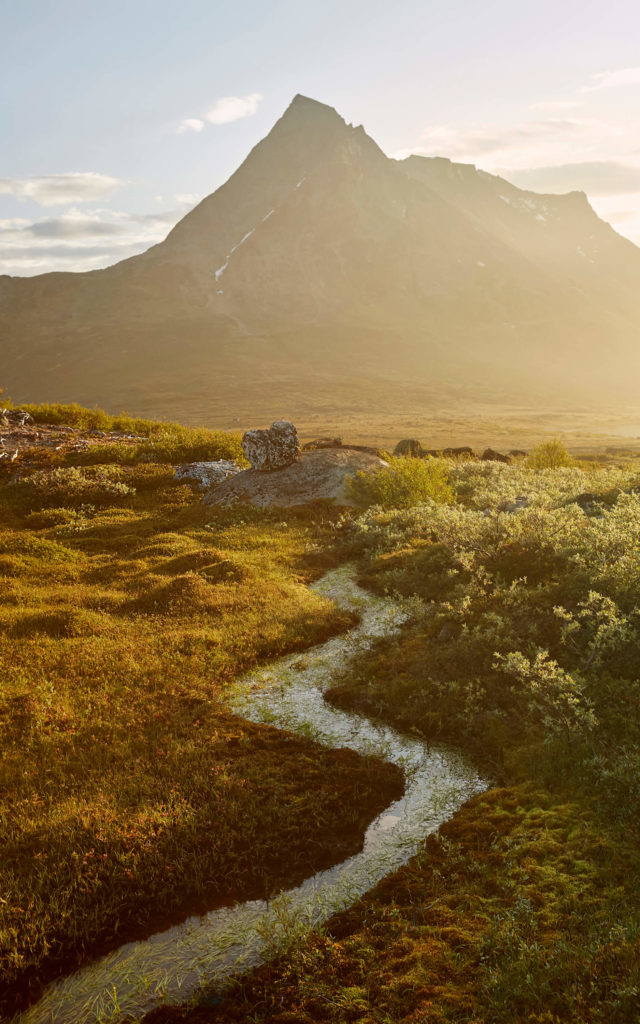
[{"x": 322, "y": 259}]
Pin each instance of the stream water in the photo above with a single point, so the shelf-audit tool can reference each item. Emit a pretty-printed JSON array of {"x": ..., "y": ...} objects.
[{"x": 207, "y": 951}]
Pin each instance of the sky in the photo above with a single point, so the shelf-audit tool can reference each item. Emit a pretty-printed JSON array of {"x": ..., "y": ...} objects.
[{"x": 117, "y": 117}]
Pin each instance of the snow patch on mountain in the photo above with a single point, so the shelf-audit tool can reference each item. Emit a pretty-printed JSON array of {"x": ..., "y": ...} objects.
[{"x": 220, "y": 271}]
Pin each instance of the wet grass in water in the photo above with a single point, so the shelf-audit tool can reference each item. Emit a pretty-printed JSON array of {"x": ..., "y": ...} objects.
[{"x": 506, "y": 916}]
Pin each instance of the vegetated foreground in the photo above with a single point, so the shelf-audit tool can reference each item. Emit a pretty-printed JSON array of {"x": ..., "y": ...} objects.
[
  {"x": 523, "y": 649},
  {"x": 130, "y": 797}
]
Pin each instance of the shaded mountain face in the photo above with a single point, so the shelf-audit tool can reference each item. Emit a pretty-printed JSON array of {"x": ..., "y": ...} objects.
[{"x": 324, "y": 268}]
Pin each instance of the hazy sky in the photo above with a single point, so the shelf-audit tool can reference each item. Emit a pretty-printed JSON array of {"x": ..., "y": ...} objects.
[{"x": 118, "y": 115}]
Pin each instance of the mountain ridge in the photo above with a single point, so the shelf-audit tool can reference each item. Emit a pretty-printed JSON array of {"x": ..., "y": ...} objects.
[{"x": 322, "y": 256}]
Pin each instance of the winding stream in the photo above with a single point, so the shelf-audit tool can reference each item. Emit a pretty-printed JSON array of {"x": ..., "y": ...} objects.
[{"x": 173, "y": 965}]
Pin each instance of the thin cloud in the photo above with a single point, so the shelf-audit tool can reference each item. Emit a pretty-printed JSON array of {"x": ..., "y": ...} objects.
[
  {"x": 613, "y": 79},
  {"x": 521, "y": 145},
  {"x": 625, "y": 218},
  {"x": 190, "y": 124},
  {"x": 233, "y": 108},
  {"x": 82, "y": 239},
  {"x": 549, "y": 142},
  {"x": 187, "y": 199},
  {"x": 224, "y": 111},
  {"x": 61, "y": 189},
  {"x": 597, "y": 178},
  {"x": 556, "y": 105}
]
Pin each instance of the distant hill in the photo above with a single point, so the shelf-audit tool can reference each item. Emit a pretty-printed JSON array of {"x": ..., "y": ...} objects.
[{"x": 325, "y": 275}]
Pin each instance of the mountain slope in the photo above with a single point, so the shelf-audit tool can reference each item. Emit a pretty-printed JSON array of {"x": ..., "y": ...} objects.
[{"x": 321, "y": 268}]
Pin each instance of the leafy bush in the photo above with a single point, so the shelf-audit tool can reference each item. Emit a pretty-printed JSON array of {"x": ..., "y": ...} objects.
[
  {"x": 549, "y": 455},
  {"x": 527, "y": 634},
  {"x": 405, "y": 482},
  {"x": 70, "y": 486}
]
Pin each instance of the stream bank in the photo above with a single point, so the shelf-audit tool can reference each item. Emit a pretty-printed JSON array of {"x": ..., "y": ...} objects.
[{"x": 173, "y": 965}]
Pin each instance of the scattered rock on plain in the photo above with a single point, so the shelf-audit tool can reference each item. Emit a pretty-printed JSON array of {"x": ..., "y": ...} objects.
[
  {"x": 459, "y": 453},
  {"x": 409, "y": 446},
  {"x": 490, "y": 455}
]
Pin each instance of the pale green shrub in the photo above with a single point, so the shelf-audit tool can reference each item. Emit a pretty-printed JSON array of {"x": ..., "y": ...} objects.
[
  {"x": 405, "y": 482},
  {"x": 549, "y": 455},
  {"x": 71, "y": 485}
]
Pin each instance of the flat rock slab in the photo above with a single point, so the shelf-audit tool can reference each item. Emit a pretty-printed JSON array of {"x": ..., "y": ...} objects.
[
  {"x": 314, "y": 476},
  {"x": 206, "y": 474}
]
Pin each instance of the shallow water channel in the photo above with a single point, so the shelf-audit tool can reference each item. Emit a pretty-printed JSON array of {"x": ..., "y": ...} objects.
[{"x": 173, "y": 965}]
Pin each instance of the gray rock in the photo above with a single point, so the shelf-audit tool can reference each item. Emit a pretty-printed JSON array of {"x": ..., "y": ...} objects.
[
  {"x": 273, "y": 448},
  {"x": 446, "y": 633},
  {"x": 322, "y": 442},
  {"x": 515, "y": 506},
  {"x": 458, "y": 453},
  {"x": 206, "y": 474},
  {"x": 465, "y": 452},
  {"x": 490, "y": 455},
  {"x": 409, "y": 446},
  {"x": 315, "y": 476}
]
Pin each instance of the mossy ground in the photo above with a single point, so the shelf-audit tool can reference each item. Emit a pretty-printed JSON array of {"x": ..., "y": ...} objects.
[
  {"x": 505, "y": 917},
  {"x": 129, "y": 796}
]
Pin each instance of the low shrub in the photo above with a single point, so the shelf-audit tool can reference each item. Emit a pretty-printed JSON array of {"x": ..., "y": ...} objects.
[
  {"x": 68, "y": 486},
  {"x": 172, "y": 447},
  {"x": 549, "y": 455},
  {"x": 405, "y": 482}
]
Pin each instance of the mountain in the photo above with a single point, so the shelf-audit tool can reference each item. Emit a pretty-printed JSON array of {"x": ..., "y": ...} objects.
[{"x": 325, "y": 275}]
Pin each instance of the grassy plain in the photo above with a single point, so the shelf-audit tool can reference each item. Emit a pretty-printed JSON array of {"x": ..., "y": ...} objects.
[
  {"x": 129, "y": 796},
  {"x": 524, "y": 649},
  {"x": 382, "y": 412}
]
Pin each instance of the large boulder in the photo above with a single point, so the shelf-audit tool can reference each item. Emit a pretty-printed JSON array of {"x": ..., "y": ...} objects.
[
  {"x": 315, "y": 476},
  {"x": 206, "y": 474},
  {"x": 273, "y": 448}
]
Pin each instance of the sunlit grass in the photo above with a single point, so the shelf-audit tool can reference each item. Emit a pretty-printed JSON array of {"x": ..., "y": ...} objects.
[{"x": 130, "y": 796}]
